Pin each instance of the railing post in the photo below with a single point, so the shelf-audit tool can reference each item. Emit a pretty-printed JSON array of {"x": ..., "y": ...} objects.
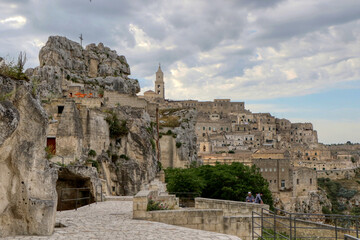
[
  {"x": 252, "y": 224},
  {"x": 336, "y": 234},
  {"x": 290, "y": 226},
  {"x": 295, "y": 227},
  {"x": 275, "y": 224},
  {"x": 61, "y": 191},
  {"x": 357, "y": 227},
  {"x": 77, "y": 190},
  {"x": 262, "y": 221}
]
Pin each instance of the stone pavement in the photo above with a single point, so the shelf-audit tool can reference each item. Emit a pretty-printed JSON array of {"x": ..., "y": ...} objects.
[{"x": 113, "y": 220}]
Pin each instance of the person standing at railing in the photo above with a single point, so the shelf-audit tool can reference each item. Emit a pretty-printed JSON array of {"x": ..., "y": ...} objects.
[
  {"x": 249, "y": 198},
  {"x": 258, "y": 198}
]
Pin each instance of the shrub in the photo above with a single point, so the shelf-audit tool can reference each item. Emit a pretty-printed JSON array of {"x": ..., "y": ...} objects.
[
  {"x": 178, "y": 144},
  {"x": 116, "y": 128},
  {"x": 15, "y": 71},
  {"x": 155, "y": 206},
  {"x": 92, "y": 153},
  {"x": 49, "y": 150},
  {"x": 153, "y": 144},
  {"x": 123, "y": 156},
  {"x": 94, "y": 163}
]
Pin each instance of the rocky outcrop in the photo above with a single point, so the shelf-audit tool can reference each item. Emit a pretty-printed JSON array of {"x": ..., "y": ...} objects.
[
  {"x": 131, "y": 159},
  {"x": 64, "y": 62},
  {"x": 27, "y": 182},
  {"x": 178, "y": 144}
]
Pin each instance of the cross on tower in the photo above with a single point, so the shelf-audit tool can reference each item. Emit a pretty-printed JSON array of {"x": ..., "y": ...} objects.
[{"x": 81, "y": 38}]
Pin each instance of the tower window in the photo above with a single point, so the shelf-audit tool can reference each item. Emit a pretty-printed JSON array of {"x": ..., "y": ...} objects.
[
  {"x": 60, "y": 109},
  {"x": 159, "y": 92},
  {"x": 158, "y": 86}
]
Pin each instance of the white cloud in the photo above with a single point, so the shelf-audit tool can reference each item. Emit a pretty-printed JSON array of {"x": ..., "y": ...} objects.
[{"x": 14, "y": 22}]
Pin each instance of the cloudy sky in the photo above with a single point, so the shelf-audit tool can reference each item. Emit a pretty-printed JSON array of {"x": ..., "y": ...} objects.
[{"x": 297, "y": 59}]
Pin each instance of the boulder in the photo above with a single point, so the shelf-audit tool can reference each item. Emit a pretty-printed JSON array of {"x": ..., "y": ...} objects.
[{"x": 28, "y": 195}]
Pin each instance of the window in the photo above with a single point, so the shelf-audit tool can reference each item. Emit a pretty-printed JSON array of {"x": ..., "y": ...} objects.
[
  {"x": 275, "y": 181},
  {"x": 282, "y": 169},
  {"x": 315, "y": 168},
  {"x": 270, "y": 169},
  {"x": 60, "y": 109},
  {"x": 297, "y": 181},
  {"x": 315, "y": 154},
  {"x": 270, "y": 181},
  {"x": 210, "y": 128},
  {"x": 113, "y": 189},
  {"x": 261, "y": 170},
  {"x": 323, "y": 168},
  {"x": 310, "y": 180},
  {"x": 282, "y": 183},
  {"x": 274, "y": 169},
  {"x": 265, "y": 169},
  {"x": 204, "y": 148},
  {"x": 227, "y": 129},
  {"x": 158, "y": 86},
  {"x": 204, "y": 128},
  {"x": 307, "y": 154}
]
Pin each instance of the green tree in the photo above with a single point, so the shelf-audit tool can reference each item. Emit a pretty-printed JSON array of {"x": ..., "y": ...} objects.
[{"x": 229, "y": 182}]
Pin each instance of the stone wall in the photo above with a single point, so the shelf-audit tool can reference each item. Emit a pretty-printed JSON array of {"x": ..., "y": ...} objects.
[
  {"x": 229, "y": 217},
  {"x": 230, "y": 208},
  {"x": 336, "y": 174},
  {"x": 169, "y": 153},
  {"x": 113, "y": 99}
]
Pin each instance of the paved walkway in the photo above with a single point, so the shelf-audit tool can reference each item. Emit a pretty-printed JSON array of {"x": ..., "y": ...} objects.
[{"x": 113, "y": 220}]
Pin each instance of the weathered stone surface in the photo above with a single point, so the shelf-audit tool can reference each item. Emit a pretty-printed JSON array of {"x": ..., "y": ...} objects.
[
  {"x": 64, "y": 62},
  {"x": 27, "y": 182},
  {"x": 132, "y": 161}
]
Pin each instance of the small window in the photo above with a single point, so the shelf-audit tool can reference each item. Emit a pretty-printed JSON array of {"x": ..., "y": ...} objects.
[
  {"x": 310, "y": 180},
  {"x": 60, "y": 109},
  {"x": 203, "y": 128},
  {"x": 274, "y": 169},
  {"x": 265, "y": 169},
  {"x": 261, "y": 170},
  {"x": 113, "y": 189},
  {"x": 282, "y": 169},
  {"x": 210, "y": 128},
  {"x": 297, "y": 181},
  {"x": 275, "y": 181},
  {"x": 270, "y": 169},
  {"x": 282, "y": 183},
  {"x": 158, "y": 86}
]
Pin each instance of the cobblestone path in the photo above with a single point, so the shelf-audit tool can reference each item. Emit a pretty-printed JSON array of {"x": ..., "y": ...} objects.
[{"x": 113, "y": 220}]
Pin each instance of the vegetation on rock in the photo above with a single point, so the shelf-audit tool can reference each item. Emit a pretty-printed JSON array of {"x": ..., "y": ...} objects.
[
  {"x": 117, "y": 128},
  {"x": 229, "y": 182},
  {"x": 15, "y": 71}
]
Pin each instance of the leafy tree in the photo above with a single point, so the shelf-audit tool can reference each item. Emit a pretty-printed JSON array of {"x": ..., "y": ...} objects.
[{"x": 229, "y": 182}]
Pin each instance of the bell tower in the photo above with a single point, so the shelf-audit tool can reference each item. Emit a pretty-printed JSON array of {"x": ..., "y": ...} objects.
[{"x": 159, "y": 83}]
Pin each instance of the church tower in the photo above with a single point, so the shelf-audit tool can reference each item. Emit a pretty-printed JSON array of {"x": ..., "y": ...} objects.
[{"x": 159, "y": 83}]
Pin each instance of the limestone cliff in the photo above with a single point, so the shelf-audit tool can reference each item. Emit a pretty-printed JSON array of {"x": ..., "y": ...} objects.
[
  {"x": 27, "y": 182},
  {"x": 64, "y": 62},
  {"x": 178, "y": 137},
  {"x": 131, "y": 158}
]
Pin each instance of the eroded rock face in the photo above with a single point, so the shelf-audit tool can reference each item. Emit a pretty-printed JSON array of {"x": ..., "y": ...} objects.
[
  {"x": 27, "y": 182},
  {"x": 131, "y": 160},
  {"x": 64, "y": 62}
]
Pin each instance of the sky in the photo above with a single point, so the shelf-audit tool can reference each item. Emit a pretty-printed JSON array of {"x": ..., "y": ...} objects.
[{"x": 297, "y": 59}]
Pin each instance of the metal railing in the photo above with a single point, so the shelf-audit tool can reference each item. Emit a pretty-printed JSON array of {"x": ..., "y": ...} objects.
[
  {"x": 279, "y": 224},
  {"x": 186, "y": 199},
  {"x": 77, "y": 196},
  {"x": 348, "y": 237}
]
